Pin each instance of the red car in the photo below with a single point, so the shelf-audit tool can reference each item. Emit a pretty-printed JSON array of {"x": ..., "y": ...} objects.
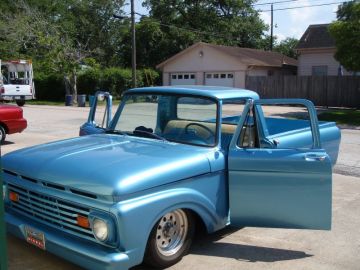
[{"x": 11, "y": 120}]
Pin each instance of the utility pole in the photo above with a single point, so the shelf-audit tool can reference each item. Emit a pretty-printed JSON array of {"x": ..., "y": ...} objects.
[
  {"x": 272, "y": 28},
  {"x": 133, "y": 58}
]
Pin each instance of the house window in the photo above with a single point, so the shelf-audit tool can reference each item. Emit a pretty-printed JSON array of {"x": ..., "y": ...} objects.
[
  {"x": 186, "y": 76},
  {"x": 223, "y": 76},
  {"x": 173, "y": 77},
  {"x": 230, "y": 75},
  {"x": 192, "y": 76},
  {"x": 208, "y": 76},
  {"x": 319, "y": 70},
  {"x": 180, "y": 76},
  {"x": 216, "y": 76}
]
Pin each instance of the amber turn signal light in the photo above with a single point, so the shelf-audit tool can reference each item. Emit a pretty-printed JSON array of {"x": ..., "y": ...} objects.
[
  {"x": 83, "y": 221},
  {"x": 13, "y": 196}
]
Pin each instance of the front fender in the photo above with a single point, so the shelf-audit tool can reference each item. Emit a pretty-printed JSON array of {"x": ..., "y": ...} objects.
[{"x": 138, "y": 216}]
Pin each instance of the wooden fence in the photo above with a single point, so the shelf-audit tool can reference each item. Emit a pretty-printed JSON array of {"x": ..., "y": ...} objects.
[{"x": 331, "y": 91}]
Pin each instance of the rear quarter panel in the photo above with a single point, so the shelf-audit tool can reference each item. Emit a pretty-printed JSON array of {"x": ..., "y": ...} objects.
[{"x": 11, "y": 117}]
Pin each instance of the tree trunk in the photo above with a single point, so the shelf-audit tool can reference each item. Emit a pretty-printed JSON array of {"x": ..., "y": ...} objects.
[
  {"x": 67, "y": 85},
  {"x": 74, "y": 86}
]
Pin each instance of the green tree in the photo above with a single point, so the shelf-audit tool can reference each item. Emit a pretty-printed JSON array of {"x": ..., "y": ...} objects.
[
  {"x": 173, "y": 25},
  {"x": 60, "y": 36},
  {"x": 287, "y": 47},
  {"x": 346, "y": 32}
]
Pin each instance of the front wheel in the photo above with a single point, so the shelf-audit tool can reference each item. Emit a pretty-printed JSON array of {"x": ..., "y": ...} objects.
[{"x": 170, "y": 239}]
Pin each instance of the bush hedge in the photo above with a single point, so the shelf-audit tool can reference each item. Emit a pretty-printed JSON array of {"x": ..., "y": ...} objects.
[
  {"x": 49, "y": 87},
  {"x": 112, "y": 79}
]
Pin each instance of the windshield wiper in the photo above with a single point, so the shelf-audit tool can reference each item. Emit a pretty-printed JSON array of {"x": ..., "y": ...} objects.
[
  {"x": 153, "y": 135},
  {"x": 115, "y": 131}
]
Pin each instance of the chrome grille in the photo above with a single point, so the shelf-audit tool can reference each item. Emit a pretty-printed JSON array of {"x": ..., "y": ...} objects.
[{"x": 50, "y": 211}]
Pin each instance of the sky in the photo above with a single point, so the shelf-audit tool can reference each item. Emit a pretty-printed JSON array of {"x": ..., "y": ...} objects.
[{"x": 287, "y": 23}]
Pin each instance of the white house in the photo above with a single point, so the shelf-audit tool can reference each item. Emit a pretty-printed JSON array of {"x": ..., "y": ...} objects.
[
  {"x": 209, "y": 64},
  {"x": 317, "y": 48}
]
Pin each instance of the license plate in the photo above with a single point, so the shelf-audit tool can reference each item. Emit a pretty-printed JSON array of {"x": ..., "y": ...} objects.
[{"x": 35, "y": 237}]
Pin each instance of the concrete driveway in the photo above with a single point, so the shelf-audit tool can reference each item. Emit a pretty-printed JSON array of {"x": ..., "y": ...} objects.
[{"x": 231, "y": 248}]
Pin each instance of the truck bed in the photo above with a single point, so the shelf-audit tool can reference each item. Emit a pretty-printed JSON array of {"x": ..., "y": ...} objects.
[{"x": 296, "y": 133}]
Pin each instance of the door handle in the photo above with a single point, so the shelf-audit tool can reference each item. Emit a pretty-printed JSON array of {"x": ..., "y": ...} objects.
[{"x": 315, "y": 157}]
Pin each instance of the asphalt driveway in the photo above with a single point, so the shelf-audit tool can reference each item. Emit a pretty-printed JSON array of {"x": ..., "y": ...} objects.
[{"x": 231, "y": 248}]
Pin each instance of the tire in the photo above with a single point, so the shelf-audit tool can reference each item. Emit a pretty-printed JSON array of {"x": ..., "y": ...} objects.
[
  {"x": 20, "y": 103},
  {"x": 170, "y": 239},
  {"x": 2, "y": 134}
]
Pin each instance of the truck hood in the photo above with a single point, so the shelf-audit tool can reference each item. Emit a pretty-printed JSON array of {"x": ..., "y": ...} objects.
[{"x": 109, "y": 164}]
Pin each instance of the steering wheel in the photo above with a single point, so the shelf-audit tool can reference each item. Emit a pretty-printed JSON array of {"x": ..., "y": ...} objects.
[{"x": 211, "y": 133}]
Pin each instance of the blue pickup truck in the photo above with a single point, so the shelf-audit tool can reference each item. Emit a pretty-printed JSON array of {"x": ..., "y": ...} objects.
[{"x": 137, "y": 185}]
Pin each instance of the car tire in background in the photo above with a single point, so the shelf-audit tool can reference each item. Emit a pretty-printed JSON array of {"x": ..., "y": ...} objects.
[
  {"x": 2, "y": 134},
  {"x": 170, "y": 239},
  {"x": 20, "y": 103}
]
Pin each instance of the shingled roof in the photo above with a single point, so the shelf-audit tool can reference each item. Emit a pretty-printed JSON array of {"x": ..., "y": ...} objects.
[
  {"x": 252, "y": 57},
  {"x": 316, "y": 36}
]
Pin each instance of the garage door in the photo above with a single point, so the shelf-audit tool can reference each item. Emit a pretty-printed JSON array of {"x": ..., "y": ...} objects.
[
  {"x": 183, "y": 79},
  {"x": 219, "y": 79}
]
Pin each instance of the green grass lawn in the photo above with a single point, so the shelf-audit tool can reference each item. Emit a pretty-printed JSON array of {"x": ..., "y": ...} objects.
[
  {"x": 350, "y": 117},
  {"x": 60, "y": 103},
  {"x": 45, "y": 102}
]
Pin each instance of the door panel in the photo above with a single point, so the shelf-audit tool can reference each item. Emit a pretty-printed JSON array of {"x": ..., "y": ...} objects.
[{"x": 280, "y": 188}]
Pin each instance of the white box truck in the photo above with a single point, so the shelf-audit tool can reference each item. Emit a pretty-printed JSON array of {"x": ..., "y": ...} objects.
[{"x": 16, "y": 81}]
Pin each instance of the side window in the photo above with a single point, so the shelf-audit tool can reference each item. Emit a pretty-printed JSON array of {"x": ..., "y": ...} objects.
[
  {"x": 249, "y": 137},
  {"x": 284, "y": 126},
  {"x": 232, "y": 110},
  {"x": 319, "y": 70},
  {"x": 101, "y": 112}
]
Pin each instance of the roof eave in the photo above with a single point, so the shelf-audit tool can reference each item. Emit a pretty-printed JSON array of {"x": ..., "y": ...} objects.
[
  {"x": 315, "y": 48},
  {"x": 162, "y": 64}
]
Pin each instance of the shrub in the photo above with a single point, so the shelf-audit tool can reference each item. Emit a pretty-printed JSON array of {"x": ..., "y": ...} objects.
[
  {"x": 116, "y": 80},
  {"x": 49, "y": 87},
  {"x": 113, "y": 79},
  {"x": 88, "y": 81}
]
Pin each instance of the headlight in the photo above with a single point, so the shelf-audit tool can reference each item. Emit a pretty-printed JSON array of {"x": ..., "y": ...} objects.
[{"x": 101, "y": 230}]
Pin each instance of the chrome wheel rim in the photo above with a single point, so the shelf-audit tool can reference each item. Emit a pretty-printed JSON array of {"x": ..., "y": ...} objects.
[{"x": 171, "y": 232}]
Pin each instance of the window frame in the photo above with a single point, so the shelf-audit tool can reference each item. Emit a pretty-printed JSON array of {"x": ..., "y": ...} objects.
[{"x": 315, "y": 70}]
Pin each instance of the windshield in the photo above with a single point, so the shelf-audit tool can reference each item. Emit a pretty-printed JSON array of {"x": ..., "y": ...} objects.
[{"x": 176, "y": 118}]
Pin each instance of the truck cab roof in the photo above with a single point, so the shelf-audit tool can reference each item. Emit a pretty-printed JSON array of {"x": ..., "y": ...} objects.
[{"x": 216, "y": 92}]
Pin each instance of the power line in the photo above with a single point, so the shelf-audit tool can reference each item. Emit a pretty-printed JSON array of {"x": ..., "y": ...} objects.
[
  {"x": 298, "y": 7},
  {"x": 224, "y": 36},
  {"x": 277, "y": 2}
]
